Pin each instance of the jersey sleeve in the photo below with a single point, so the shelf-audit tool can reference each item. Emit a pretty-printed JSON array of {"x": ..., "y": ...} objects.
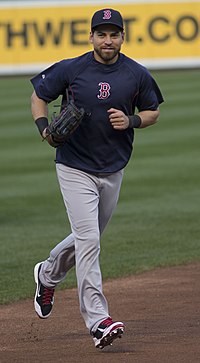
[
  {"x": 149, "y": 96},
  {"x": 52, "y": 82}
]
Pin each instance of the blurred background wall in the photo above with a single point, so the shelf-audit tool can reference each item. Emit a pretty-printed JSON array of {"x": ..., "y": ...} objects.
[{"x": 159, "y": 34}]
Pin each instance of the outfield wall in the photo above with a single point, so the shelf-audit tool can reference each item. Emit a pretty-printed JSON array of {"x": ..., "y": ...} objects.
[{"x": 159, "y": 34}]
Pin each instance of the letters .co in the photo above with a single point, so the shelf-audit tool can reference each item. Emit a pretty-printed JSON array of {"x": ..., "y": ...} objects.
[{"x": 77, "y": 31}]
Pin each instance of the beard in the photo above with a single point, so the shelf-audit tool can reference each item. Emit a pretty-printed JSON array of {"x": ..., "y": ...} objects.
[{"x": 107, "y": 56}]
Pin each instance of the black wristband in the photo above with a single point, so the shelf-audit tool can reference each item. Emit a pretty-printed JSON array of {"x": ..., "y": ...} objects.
[
  {"x": 135, "y": 121},
  {"x": 41, "y": 123}
]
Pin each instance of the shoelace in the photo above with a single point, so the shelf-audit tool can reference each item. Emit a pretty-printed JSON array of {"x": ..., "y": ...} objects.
[{"x": 47, "y": 296}]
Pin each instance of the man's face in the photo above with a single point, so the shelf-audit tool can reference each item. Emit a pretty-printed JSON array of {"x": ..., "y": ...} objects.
[{"x": 107, "y": 41}]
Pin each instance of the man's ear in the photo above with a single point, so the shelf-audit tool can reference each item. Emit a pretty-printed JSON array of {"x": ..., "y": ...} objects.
[{"x": 91, "y": 38}]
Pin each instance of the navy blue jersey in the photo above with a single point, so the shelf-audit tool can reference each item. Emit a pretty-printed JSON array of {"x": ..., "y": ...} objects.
[{"x": 96, "y": 147}]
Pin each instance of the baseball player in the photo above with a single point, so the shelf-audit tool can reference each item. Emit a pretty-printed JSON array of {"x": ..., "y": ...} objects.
[{"x": 118, "y": 95}]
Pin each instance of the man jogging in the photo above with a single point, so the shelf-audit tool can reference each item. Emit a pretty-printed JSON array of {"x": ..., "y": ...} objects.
[{"x": 118, "y": 95}]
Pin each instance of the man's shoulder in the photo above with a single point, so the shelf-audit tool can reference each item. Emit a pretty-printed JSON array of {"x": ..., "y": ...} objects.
[
  {"x": 138, "y": 70},
  {"x": 82, "y": 59},
  {"x": 72, "y": 67},
  {"x": 132, "y": 64}
]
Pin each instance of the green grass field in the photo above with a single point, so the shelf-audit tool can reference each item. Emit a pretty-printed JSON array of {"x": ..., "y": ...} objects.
[{"x": 156, "y": 222}]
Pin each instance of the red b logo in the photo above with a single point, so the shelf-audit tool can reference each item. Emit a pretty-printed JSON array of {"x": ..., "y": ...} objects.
[
  {"x": 104, "y": 91},
  {"x": 107, "y": 14}
]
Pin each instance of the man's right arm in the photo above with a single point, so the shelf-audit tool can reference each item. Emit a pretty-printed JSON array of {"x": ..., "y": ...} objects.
[
  {"x": 39, "y": 107},
  {"x": 39, "y": 111}
]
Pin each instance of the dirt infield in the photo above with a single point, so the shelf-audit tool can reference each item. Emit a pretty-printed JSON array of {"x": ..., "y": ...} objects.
[{"x": 161, "y": 311}]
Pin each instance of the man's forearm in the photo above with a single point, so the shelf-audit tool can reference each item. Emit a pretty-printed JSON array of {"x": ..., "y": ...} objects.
[
  {"x": 39, "y": 107},
  {"x": 148, "y": 118},
  {"x": 39, "y": 111}
]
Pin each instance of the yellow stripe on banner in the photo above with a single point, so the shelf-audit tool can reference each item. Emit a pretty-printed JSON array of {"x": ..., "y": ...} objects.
[{"x": 45, "y": 35}]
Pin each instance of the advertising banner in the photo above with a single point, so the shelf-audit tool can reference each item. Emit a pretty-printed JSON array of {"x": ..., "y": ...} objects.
[{"x": 159, "y": 34}]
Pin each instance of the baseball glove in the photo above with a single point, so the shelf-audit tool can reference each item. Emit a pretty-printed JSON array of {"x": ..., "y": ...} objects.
[{"x": 63, "y": 125}]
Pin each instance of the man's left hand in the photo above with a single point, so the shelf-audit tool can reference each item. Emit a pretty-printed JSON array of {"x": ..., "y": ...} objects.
[{"x": 118, "y": 119}]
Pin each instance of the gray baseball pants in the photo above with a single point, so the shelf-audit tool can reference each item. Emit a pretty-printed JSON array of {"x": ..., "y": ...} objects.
[{"x": 90, "y": 201}]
